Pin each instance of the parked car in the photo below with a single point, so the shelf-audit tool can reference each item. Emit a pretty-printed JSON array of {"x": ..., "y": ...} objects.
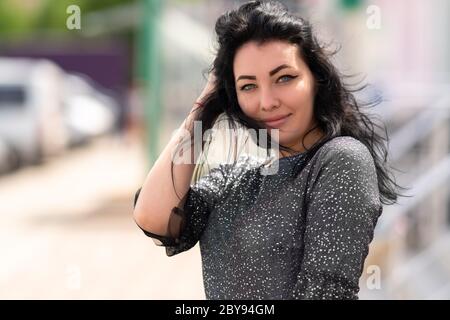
[
  {"x": 9, "y": 159},
  {"x": 89, "y": 112},
  {"x": 31, "y": 117}
]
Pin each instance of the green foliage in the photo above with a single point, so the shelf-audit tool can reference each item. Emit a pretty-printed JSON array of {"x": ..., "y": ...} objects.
[
  {"x": 351, "y": 4},
  {"x": 17, "y": 18}
]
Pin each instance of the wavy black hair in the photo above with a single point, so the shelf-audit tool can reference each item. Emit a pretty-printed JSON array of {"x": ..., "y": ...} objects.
[{"x": 336, "y": 110}]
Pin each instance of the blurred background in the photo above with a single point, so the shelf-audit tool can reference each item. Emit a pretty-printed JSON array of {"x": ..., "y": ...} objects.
[{"x": 90, "y": 92}]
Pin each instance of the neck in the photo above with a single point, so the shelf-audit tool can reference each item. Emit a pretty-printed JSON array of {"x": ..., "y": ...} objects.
[{"x": 306, "y": 142}]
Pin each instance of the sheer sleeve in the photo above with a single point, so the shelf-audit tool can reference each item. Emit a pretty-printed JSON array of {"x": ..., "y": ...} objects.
[
  {"x": 343, "y": 207},
  {"x": 192, "y": 219}
]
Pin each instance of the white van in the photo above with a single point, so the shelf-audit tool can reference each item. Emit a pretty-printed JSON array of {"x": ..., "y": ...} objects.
[{"x": 31, "y": 119}]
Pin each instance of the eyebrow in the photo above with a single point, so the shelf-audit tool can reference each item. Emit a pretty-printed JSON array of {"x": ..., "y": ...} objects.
[{"x": 271, "y": 73}]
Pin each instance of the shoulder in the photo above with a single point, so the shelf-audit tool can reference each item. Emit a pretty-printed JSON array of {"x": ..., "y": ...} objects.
[
  {"x": 345, "y": 164},
  {"x": 344, "y": 158},
  {"x": 345, "y": 148}
]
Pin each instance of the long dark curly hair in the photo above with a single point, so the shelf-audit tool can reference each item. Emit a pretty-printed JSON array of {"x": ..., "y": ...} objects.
[{"x": 336, "y": 110}]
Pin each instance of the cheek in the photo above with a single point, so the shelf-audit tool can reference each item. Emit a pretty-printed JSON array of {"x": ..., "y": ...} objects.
[
  {"x": 248, "y": 107},
  {"x": 303, "y": 104},
  {"x": 304, "y": 92},
  {"x": 304, "y": 97}
]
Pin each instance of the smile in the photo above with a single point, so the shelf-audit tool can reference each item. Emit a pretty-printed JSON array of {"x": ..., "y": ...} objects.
[{"x": 277, "y": 123}]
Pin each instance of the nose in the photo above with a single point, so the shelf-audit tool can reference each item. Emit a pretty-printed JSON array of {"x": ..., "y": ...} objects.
[{"x": 268, "y": 101}]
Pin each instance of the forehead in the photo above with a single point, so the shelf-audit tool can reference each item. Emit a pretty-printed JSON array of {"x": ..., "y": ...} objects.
[{"x": 252, "y": 55}]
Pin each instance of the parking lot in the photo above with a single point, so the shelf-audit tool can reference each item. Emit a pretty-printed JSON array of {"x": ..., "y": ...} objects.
[{"x": 67, "y": 231}]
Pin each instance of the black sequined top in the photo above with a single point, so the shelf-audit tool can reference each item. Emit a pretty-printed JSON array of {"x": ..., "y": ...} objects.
[{"x": 278, "y": 237}]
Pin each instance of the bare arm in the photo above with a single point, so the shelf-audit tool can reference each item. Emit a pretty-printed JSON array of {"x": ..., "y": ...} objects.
[{"x": 158, "y": 197}]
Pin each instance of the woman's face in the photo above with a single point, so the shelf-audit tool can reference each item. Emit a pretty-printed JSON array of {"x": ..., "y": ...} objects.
[{"x": 274, "y": 85}]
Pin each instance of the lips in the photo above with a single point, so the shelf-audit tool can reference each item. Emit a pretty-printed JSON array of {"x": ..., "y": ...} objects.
[{"x": 276, "y": 122}]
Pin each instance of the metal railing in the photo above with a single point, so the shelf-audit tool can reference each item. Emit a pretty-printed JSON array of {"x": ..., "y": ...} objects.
[{"x": 426, "y": 274}]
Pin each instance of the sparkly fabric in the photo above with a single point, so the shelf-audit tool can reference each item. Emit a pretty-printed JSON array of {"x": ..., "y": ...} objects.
[{"x": 283, "y": 237}]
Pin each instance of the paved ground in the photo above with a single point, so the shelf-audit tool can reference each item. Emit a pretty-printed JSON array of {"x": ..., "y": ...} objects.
[{"x": 66, "y": 232}]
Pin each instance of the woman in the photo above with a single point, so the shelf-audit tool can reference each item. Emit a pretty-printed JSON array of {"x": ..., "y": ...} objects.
[{"x": 304, "y": 232}]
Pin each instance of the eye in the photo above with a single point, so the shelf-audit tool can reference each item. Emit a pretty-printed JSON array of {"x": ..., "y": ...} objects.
[
  {"x": 288, "y": 77},
  {"x": 246, "y": 86}
]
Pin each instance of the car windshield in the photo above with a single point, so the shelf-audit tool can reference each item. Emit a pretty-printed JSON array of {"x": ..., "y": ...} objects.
[{"x": 12, "y": 97}]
